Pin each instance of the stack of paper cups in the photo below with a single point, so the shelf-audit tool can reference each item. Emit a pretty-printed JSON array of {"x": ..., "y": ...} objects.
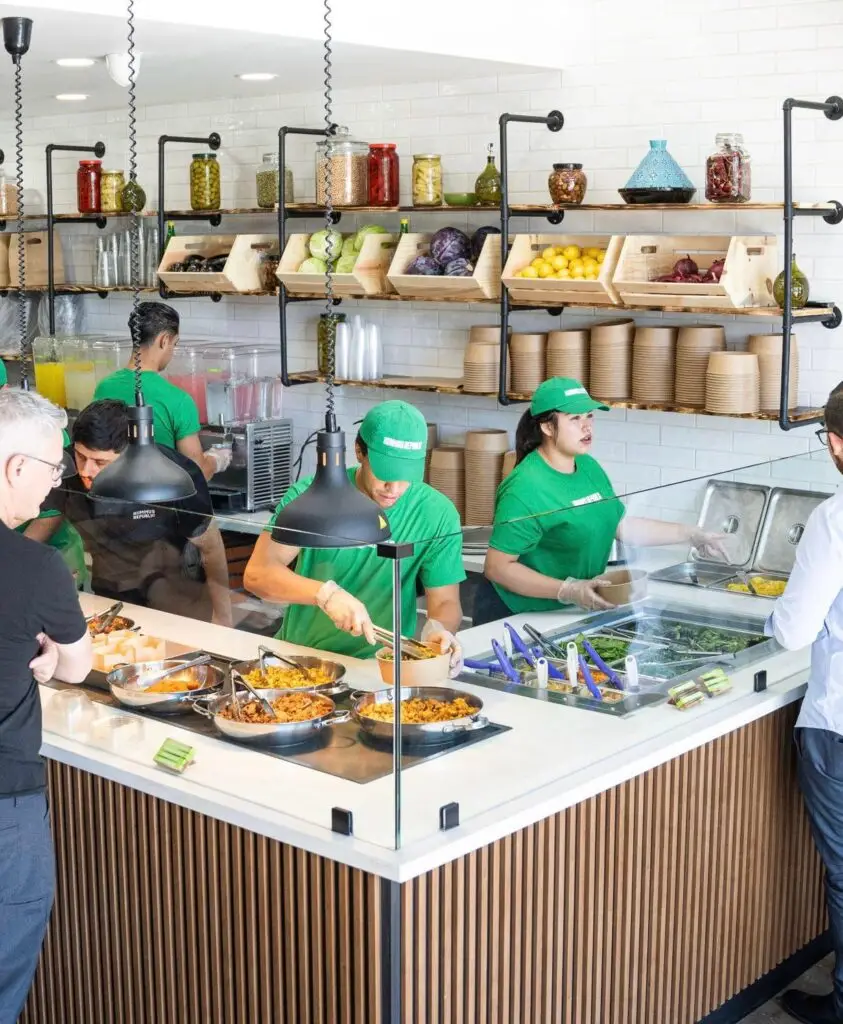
[
  {"x": 484, "y": 455},
  {"x": 528, "y": 353},
  {"x": 432, "y": 441},
  {"x": 447, "y": 474},
  {"x": 732, "y": 386},
  {"x": 610, "y": 376},
  {"x": 768, "y": 348},
  {"x": 567, "y": 355},
  {"x": 653, "y": 361},
  {"x": 694, "y": 345}
]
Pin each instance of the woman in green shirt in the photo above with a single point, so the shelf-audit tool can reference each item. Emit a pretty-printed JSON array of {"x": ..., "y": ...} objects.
[{"x": 557, "y": 515}]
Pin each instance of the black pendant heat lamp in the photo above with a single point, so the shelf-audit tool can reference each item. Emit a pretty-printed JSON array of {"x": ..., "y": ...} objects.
[
  {"x": 142, "y": 474},
  {"x": 332, "y": 512}
]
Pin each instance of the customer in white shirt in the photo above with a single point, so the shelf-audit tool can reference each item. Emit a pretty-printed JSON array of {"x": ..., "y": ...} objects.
[{"x": 811, "y": 612}]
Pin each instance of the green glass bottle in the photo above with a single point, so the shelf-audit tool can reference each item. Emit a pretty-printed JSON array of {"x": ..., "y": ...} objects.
[
  {"x": 487, "y": 188},
  {"x": 799, "y": 287},
  {"x": 133, "y": 197}
]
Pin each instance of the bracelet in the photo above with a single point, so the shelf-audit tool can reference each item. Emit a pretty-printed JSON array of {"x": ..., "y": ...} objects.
[{"x": 325, "y": 593}]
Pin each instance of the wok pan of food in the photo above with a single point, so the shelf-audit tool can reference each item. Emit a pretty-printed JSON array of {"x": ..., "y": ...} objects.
[
  {"x": 300, "y": 717},
  {"x": 311, "y": 674},
  {"x": 140, "y": 686},
  {"x": 429, "y": 714}
]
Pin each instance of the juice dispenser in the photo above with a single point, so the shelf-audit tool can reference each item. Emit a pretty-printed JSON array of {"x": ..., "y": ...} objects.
[
  {"x": 79, "y": 372},
  {"x": 49, "y": 369},
  {"x": 109, "y": 355},
  {"x": 187, "y": 371},
  {"x": 230, "y": 376}
]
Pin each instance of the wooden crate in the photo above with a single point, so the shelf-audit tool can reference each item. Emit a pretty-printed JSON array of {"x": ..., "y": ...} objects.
[
  {"x": 484, "y": 283},
  {"x": 548, "y": 291},
  {"x": 752, "y": 264},
  {"x": 35, "y": 257},
  {"x": 241, "y": 272},
  {"x": 367, "y": 278}
]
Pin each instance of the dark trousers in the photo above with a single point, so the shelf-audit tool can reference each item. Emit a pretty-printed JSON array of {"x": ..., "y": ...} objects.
[
  {"x": 821, "y": 781},
  {"x": 27, "y": 881},
  {"x": 488, "y": 605}
]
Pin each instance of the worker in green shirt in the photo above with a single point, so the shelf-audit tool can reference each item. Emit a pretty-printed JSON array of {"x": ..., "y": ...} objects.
[
  {"x": 66, "y": 539},
  {"x": 336, "y": 594},
  {"x": 174, "y": 412},
  {"x": 557, "y": 515}
]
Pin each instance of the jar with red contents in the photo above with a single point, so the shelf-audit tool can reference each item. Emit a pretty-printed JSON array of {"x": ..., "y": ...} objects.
[
  {"x": 383, "y": 174},
  {"x": 88, "y": 186}
]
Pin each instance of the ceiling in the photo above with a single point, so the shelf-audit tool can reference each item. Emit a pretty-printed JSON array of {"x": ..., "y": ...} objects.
[{"x": 188, "y": 63}]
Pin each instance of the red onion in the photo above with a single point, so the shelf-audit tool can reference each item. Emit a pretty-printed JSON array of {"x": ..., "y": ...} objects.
[{"x": 685, "y": 267}]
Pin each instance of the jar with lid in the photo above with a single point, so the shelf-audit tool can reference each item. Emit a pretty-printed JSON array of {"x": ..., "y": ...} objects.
[
  {"x": 427, "y": 179},
  {"x": 8, "y": 195},
  {"x": 88, "y": 180},
  {"x": 266, "y": 180},
  {"x": 204, "y": 182},
  {"x": 79, "y": 372},
  {"x": 326, "y": 334},
  {"x": 727, "y": 171},
  {"x": 383, "y": 174},
  {"x": 109, "y": 355},
  {"x": 567, "y": 184},
  {"x": 187, "y": 371},
  {"x": 49, "y": 369},
  {"x": 346, "y": 161},
  {"x": 112, "y": 184}
]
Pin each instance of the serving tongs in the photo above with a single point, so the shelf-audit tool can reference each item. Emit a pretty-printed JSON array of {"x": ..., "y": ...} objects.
[
  {"x": 548, "y": 647},
  {"x": 267, "y": 652},
  {"x": 104, "y": 619},
  {"x": 264, "y": 703},
  {"x": 413, "y": 649},
  {"x": 525, "y": 652},
  {"x": 203, "y": 659},
  {"x": 747, "y": 582}
]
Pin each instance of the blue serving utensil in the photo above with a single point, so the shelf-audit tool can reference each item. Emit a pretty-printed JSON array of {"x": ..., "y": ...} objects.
[
  {"x": 589, "y": 680},
  {"x": 525, "y": 652},
  {"x": 505, "y": 664},
  {"x": 479, "y": 666},
  {"x": 611, "y": 675}
]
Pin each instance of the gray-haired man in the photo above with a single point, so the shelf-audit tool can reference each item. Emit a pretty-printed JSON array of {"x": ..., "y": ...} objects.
[{"x": 42, "y": 636}]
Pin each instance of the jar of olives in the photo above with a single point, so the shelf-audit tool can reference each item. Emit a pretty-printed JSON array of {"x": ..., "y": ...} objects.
[
  {"x": 326, "y": 338},
  {"x": 427, "y": 179},
  {"x": 567, "y": 184},
  {"x": 112, "y": 184},
  {"x": 204, "y": 182}
]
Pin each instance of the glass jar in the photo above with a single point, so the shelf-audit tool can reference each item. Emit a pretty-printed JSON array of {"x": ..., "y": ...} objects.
[
  {"x": 348, "y": 160},
  {"x": 8, "y": 196},
  {"x": 88, "y": 178},
  {"x": 187, "y": 371},
  {"x": 79, "y": 372},
  {"x": 487, "y": 187},
  {"x": 267, "y": 267},
  {"x": 427, "y": 179},
  {"x": 111, "y": 191},
  {"x": 109, "y": 355},
  {"x": 567, "y": 184},
  {"x": 204, "y": 182},
  {"x": 326, "y": 334},
  {"x": 800, "y": 288},
  {"x": 728, "y": 177},
  {"x": 49, "y": 369},
  {"x": 383, "y": 174},
  {"x": 266, "y": 182},
  {"x": 132, "y": 197}
]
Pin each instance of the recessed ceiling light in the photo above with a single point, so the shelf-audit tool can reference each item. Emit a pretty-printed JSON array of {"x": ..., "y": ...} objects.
[
  {"x": 75, "y": 62},
  {"x": 257, "y": 76},
  {"x": 72, "y": 97}
]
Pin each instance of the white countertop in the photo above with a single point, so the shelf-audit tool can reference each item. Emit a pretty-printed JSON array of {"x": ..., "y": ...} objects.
[{"x": 553, "y": 757}]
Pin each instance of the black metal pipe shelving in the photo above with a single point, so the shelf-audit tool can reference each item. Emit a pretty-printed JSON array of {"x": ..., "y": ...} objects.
[
  {"x": 98, "y": 149},
  {"x": 833, "y": 110},
  {"x": 213, "y": 142}
]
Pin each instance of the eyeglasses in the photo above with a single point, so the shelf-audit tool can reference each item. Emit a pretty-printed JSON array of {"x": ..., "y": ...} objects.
[
  {"x": 822, "y": 437},
  {"x": 60, "y": 470}
]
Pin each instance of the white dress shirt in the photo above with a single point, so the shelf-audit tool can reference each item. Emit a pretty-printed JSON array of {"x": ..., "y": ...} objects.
[{"x": 811, "y": 612}]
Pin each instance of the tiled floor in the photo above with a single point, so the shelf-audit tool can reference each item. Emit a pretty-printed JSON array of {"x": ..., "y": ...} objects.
[{"x": 815, "y": 980}]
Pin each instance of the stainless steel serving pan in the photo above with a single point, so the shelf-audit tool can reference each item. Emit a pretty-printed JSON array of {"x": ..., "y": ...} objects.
[
  {"x": 271, "y": 734},
  {"x": 127, "y": 686},
  {"x": 428, "y": 732},
  {"x": 333, "y": 668}
]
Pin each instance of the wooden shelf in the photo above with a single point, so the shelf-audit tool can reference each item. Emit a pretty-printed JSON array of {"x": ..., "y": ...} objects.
[{"x": 453, "y": 386}]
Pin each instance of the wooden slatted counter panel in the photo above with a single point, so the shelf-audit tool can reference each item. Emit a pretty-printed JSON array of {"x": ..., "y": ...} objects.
[{"x": 652, "y": 903}]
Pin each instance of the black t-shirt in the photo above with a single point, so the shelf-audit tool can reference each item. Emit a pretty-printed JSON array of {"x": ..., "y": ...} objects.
[
  {"x": 131, "y": 544},
  {"x": 37, "y": 595}
]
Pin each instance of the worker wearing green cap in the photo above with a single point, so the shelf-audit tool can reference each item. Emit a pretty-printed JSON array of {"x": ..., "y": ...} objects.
[
  {"x": 336, "y": 594},
  {"x": 557, "y": 515}
]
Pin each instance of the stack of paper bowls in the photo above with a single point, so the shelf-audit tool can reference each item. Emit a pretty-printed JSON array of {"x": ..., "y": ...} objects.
[
  {"x": 732, "y": 385},
  {"x": 432, "y": 441},
  {"x": 484, "y": 455},
  {"x": 694, "y": 345},
  {"x": 482, "y": 361},
  {"x": 567, "y": 355},
  {"x": 653, "y": 362},
  {"x": 508, "y": 464},
  {"x": 610, "y": 374},
  {"x": 447, "y": 474},
  {"x": 768, "y": 348},
  {"x": 528, "y": 353}
]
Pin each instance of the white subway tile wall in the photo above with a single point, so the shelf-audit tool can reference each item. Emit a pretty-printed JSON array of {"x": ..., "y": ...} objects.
[{"x": 726, "y": 65}]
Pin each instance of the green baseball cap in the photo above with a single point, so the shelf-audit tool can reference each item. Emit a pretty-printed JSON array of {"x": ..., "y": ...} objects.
[
  {"x": 4, "y": 377},
  {"x": 396, "y": 436},
  {"x": 563, "y": 394}
]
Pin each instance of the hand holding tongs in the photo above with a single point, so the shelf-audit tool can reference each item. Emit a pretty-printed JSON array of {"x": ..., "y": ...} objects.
[{"x": 411, "y": 648}]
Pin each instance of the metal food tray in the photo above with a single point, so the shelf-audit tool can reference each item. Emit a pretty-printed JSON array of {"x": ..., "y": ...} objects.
[{"x": 647, "y": 620}]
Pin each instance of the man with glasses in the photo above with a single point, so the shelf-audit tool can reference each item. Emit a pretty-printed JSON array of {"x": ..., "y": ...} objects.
[
  {"x": 171, "y": 558},
  {"x": 811, "y": 612},
  {"x": 42, "y": 636}
]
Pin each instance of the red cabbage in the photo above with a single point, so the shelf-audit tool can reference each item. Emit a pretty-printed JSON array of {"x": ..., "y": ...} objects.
[
  {"x": 449, "y": 244},
  {"x": 459, "y": 268},
  {"x": 478, "y": 238},
  {"x": 426, "y": 265}
]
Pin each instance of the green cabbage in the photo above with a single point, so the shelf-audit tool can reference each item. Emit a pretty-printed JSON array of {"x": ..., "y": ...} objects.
[
  {"x": 348, "y": 246},
  {"x": 345, "y": 264},
  {"x": 325, "y": 245},
  {"x": 313, "y": 266},
  {"x": 367, "y": 229}
]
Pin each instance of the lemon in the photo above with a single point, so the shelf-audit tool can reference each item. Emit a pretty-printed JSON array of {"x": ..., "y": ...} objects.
[
  {"x": 559, "y": 263},
  {"x": 576, "y": 264},
  {"x": 572, "y": 252},
  {"x": 600, "y": 257},
  {"x": 589, "y": 262},
  {"x": 548, "y": 253},
  {"x": 591, "y": 275},
  {"x": 593, "y": 253},
  {"x": 563, "y": 275},
  {"x": 577, "y": 272},
  {"x": 546, "y": 270},
  {"x": 537, "y": 262},
  {"x": 529, "y": 271}
]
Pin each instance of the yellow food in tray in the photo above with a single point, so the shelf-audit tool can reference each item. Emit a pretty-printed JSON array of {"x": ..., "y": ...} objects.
[
  {"x": 294, "y": 707},
  {"x": 763, "y": 586},
  {"x": 419, "y": 712},
  {"x": 174, "y": 684},
  {"x": 274, "y": 677}
]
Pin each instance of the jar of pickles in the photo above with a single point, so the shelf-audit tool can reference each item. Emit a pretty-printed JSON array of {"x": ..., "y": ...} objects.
[
  {"x": 88, "y": 179},
  {"x": 112, "y": 184},
  {"x": 383, "y": 174},
  {"x": 427, "y": 179},
  {"x": 266, "y": 180},
  {"x": 326, "y": 336},
  {"x": 346, "y": 161},
  {"x": 204, "y": 182},
  {"x": 727, "y": 171}
]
